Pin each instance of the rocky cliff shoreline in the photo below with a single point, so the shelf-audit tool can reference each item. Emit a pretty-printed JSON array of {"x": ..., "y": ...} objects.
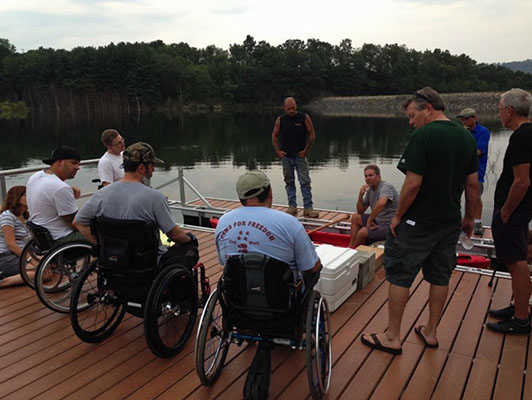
[{"x": 482, "y": 102}]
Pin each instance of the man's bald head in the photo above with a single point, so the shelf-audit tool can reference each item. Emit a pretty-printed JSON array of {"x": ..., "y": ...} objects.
[{"x": 290, "y": 106}]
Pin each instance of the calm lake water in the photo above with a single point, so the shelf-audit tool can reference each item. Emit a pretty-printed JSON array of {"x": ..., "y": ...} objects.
[{"x": 216, "y": 148}]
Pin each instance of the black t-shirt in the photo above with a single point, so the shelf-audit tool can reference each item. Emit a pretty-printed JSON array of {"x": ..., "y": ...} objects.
[
  {"x": 519, "y": 151},
  {"x": 293, "y": 132}
]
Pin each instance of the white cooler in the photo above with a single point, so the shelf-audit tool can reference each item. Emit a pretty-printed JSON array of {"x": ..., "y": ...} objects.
[{"x": 338, "y": 278}]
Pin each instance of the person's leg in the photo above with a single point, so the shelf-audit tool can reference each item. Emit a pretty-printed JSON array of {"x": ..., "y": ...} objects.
[
  {"x": 11, "y": 281},
  {"x": 521, "y": 287},
  {"x": 437, "y": 298},
  {"x": 289, "y": 180},
  {"x": 361, "y": 237},
  {"x": 478, "y": 211},
  {"x": 356, "y": 224},
  {"x": 303, "y": 176}
]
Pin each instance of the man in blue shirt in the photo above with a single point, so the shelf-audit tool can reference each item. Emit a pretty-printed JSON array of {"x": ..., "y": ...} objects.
[
  {"x": 255, "y": 227},
  {"x": 468, "y": 118}
]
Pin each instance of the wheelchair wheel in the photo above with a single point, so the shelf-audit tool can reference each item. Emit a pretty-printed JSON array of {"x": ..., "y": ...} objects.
[
  {"x": 212, "y": 343},
  {"x": 28, "y": 263},
  {"x": 318, "y": 346},
  {"x": 103, "y": 312},
  {"x": 170, "y": 311},
  {"x": 58, "y": 270}
]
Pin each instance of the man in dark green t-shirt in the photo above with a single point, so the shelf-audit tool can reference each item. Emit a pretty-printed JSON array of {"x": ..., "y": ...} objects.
[{"x": 439, "y": 161}]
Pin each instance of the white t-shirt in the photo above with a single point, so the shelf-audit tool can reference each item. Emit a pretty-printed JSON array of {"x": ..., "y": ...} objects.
[
  {"x": 49, "y": 198},
  {"x": 110, "y": 168},
  {"x": 266, "y": 231}
]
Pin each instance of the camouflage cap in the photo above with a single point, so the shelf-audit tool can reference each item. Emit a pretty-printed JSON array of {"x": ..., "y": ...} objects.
[{"x": 142, "y": 153}]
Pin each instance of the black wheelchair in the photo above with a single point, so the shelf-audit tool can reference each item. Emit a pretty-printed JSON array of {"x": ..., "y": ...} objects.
[
  {"x": 257, "y": 301},
  {"x": 127, "y": 278},
  {"x": 52, "y": 269}
]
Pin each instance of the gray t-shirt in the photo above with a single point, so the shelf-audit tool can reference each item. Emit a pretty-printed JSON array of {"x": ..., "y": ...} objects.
[
  {"x": 128, "y": 200},
  {"x": 372, "y": 196}
]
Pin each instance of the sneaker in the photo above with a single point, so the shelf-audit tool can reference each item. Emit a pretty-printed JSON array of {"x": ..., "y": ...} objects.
[
  {"x": 311, "y": 213},
  {"x": 478, "y": 230},
  {"x": 503, "y": 313},
  {"x": 292, "y": 211},
  {"x": 509, "y": 326}
]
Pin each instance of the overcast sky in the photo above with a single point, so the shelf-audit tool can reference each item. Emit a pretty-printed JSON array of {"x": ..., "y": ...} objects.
[{"x": 487, "y": 30}]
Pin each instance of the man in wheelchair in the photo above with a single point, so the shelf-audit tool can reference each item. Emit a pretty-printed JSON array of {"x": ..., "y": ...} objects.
[
  {"x": 253, "y": 230},
  {"x": 258, "y": 228},
  {"x": 131, "y": 198}
]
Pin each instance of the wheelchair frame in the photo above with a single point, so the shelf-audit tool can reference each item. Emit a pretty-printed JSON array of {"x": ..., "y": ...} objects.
[
  {"x": 169, "y": 310},
  {"x": 216, "y": 332}
]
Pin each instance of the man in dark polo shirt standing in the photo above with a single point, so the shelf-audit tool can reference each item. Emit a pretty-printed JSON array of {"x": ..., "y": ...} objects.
[
  {"x": 297, "y": 136},
  {"x": 513, "y": 210},
  {"x": 440, "y": 159}
]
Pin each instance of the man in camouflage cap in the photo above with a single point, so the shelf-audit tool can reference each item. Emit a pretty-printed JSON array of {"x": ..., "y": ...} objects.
[{"x": 132, "y": 198}]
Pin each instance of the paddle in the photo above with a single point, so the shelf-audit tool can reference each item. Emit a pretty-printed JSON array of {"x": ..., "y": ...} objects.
[{"x": 343, "y": 218}]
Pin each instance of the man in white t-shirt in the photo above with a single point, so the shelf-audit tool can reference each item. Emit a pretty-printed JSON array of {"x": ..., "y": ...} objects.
[
  {"x": 255, "y": 227},
  {"x": 110, "y": 166},
  {"x": 51, "y": 201}
]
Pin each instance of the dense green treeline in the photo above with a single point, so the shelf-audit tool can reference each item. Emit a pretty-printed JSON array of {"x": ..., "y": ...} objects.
[{"x": 135, "y": 78}]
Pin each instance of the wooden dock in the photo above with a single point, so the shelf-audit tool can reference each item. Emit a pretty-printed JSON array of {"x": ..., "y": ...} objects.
[{"x": 40, "y": 357}]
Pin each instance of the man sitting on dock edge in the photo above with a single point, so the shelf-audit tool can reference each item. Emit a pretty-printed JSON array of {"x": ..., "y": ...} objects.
[{"x": 382, "y": 198}]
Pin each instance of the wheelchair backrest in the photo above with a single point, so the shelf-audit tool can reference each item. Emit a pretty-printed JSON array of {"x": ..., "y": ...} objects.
[
  {"x": 41, "y": 236},
  {"x": 126, "y": 246},
  {"x": 257, "y": 282}
]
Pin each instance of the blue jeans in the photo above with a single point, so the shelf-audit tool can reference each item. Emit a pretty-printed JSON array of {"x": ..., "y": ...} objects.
[{"x": 301, "y": 166}]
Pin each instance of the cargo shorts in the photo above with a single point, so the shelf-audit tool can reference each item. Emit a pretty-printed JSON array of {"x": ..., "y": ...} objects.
[{"x": 429, "y": 248}]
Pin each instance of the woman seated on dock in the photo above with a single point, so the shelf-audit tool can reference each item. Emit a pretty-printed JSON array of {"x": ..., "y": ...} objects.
[{"x": 13, "y": 235}]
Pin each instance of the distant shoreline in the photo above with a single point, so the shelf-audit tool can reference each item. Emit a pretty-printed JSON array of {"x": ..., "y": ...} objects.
[{"x": 485, "y": 103}]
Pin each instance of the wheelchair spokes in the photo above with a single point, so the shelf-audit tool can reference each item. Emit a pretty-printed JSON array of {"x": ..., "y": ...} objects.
[
  {"x": 170, "y": 311},
  {"x": 102, "y": 312},
  {"x": 212, "y": 343},
  {"x": 318, "y": 346}
]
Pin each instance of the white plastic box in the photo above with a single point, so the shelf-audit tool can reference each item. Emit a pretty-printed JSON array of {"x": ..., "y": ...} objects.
[{"x": 339, "y": 276}]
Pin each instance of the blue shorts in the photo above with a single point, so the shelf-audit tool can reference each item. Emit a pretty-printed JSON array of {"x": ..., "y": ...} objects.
[{"x": 430, "y": 248}]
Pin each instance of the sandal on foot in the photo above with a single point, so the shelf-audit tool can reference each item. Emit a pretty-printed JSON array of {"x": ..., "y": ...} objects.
[
  {"x": 418, "y": 330},
  {"x": 377, "y": 345}
]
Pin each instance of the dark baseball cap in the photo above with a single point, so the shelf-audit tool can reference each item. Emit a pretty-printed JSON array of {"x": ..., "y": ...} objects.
[{"x": 63, "y": 153}]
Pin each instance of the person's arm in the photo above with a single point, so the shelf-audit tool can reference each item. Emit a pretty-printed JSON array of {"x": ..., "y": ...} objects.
[
  {"x": 376, "y": 210},
  {"x": 311, "y": 136},
  {"x": 517, "y": 191},
  {"x": 85, "y": 230},
  {"x": 408, "y": 194},
  {"x": 77, "y": 192},
  {"x": 178, "y": 235},
  {"x": 69, "y": 219},
  {"x": 471, "y": 196},
  {"x": 275, "y": 138},
  {"x": 9, "y": 237},
  {"x": 361, "y": 207}
]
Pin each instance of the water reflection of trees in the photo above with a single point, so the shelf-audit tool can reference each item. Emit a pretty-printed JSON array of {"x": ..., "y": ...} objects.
[{"x": 215, "y": 138}]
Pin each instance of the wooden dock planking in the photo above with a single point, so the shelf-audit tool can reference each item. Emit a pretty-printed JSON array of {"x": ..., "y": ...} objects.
[{"x": 40, "y": 357}]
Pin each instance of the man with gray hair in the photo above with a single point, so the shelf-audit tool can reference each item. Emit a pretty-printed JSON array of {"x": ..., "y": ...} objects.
[
  {"x": 513, "y": 210},
  {"x": 110, "y": 166},
  {"x": 468, "y": 118},
  {"x": 439, "y": 160}
]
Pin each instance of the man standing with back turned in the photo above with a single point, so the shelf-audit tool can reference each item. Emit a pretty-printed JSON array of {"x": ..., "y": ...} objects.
[
  {"x": 439, "y": 160},
  {"x": 513, "y": 210},
  {"x": 297, "y": 137}
]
